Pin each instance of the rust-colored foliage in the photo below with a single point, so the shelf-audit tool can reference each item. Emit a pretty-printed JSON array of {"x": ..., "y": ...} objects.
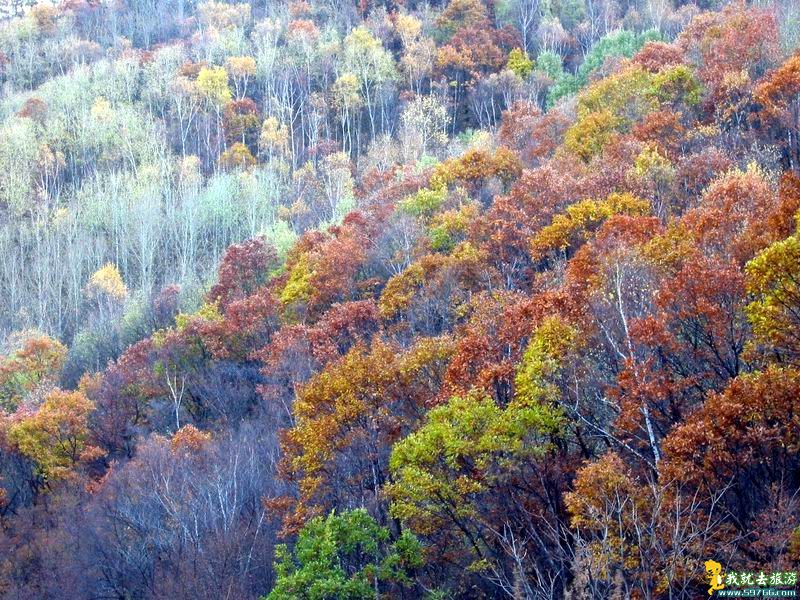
[
  {"x": 350, "y": 414},
  {"x": 505, "y": 229},
  {"x": 474, "y": 50},
  {"x": 54, "y": 435},
  {"x": 664, "y": 129},
  {"x": 747, "y": 433},
  {"x": 244, "y": 268},
  {"x": 242, "y": 122},
  {"x": 735, "y": 41},
  {"x": 779, "y": 96},
  {"x": 655, "y": 56},
  {"x": 296, "y": 352},
  {"x": 431, "y": 293},
  {"x": 729, "y": 220},
  {"x": 36, "y": 364},
  {"x": 324, "y": 269},
  {"x": 189, "y": 440},
  {"x": 563, "y": 351},
  {"x": 531, "y": 134}
]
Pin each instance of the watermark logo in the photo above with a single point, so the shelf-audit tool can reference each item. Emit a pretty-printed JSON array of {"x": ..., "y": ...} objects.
[
  {"x": 714, "y": 574},
  {"x": 747, "y": 584}
]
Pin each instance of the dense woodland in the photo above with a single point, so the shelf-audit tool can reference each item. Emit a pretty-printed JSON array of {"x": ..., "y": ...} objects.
[{"x": 352, "y": 300}]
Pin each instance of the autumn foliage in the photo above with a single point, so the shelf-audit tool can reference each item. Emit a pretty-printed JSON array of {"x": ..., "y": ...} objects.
[{"x": 476, "y": 300}]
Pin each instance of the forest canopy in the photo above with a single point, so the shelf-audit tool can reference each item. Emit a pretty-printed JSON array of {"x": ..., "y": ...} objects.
[{"x": 321, "y": 300}]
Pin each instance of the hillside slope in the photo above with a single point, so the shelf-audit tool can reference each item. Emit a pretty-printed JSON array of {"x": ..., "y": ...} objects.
[{"x": 413, "y": 300}]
